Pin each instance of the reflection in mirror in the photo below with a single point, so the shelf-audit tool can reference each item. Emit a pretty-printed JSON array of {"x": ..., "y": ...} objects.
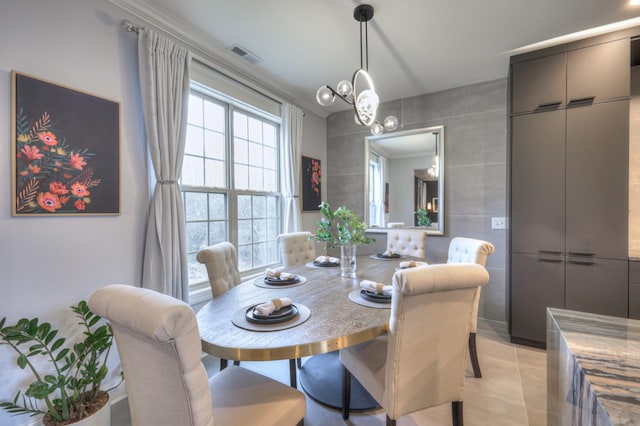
[{"x": 405, "y": 173}]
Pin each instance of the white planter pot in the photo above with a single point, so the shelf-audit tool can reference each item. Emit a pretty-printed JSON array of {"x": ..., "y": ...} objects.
[{"x": 102, "y": 417}]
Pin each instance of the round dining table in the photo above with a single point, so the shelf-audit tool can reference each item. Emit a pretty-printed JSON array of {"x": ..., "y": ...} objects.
[{"x": 335, "y": 321}]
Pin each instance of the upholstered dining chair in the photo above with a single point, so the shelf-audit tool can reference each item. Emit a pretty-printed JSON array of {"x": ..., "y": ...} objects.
[
  {"x": 159, "y": 345},
  {"x": 410, "y": 242},
  {"x": 470, "y": 250},
  {"x": 296, "y": 248},
  {"x": 221, "y": 261},
  {"x": 420, "y": 363}
]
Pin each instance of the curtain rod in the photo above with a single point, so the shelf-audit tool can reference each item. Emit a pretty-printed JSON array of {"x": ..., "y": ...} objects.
[{"x": 129, "y": 27}]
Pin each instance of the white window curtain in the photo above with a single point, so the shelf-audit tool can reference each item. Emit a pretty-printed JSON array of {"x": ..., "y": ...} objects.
[
  {"x": 164, "y": 86},
  {"x": 292, "y": 118},
  {"x": 382, "y": 219}
]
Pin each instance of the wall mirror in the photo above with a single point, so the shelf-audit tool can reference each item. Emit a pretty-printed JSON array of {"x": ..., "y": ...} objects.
[{"x": 404, "y": 171}]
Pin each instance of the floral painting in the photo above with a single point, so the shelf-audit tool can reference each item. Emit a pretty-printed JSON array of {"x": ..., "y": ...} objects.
[
  {"x": 311, "y": 184},
  {"x": 66, "y": 150}
]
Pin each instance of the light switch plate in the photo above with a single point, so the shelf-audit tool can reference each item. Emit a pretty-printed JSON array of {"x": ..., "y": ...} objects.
[{"x": 498, "y": 223}]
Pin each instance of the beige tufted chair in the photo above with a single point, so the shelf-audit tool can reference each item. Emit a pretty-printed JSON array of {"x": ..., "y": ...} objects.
[
  {"x": 469, "y": 250},
  {"x": 296, "y": 248},
  {"x": 421, "y": 362},
  {"x": 221, "y": 261},
  {"x": 410, "y": 242},
  {"x": 159, "y": 345}
]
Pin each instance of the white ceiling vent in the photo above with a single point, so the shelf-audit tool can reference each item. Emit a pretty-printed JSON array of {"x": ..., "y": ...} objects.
[{"x": 244, "y": 53}]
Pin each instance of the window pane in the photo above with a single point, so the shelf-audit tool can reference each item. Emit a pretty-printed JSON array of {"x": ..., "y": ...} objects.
[
  {"x": 272, "y": 207},
  {"x": 240, "y": 125},
  {"x": 270, "y": 158},
  {"x": 241, "y": 177},
  {"x": 269, "y": 134},
  {"x": 217, "y": 232},
  {"x": 270, "y": 181},
  {"x": 195, "y": 206},
  {"x": 240, "y": 151},
  {"x": 259, "y": 206},
  {"x": 244, "y": 207},
  {"x": 272, "y": 229},
  {"x": 259, "y": 255},
  {"x": 197, "y": 271},
  {"x": 214, "y": 145},
  {"x": 259, "y": 230},
  {"x": 194, "y": 140},
  {"x": 196, "y": 236},
  {"x": 255, "y": 130},
  {"x": 272, "y": 252},
  {"x": 216, "y": 175},
  {"x": 217, "y": 207},
  {"x": 244, "y": 232},
  {"x": 195, "y": 110},
  {"x": 256, "y": 179},
  {"x": 214, "y": 116},
  {"x": 244, "y": 258},
  {"x": 255, "y": 154},
  {"x": 192, "y": 171}
]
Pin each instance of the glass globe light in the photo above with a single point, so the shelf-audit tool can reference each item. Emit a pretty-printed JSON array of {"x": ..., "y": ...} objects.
[
  {"x": 344, "y": 88},
  {"x": 324, "y": 96},
  {"x": 367, "y": 105},
  {"x": 377, "y": 129},
  {"x": 390, "y": 123}
]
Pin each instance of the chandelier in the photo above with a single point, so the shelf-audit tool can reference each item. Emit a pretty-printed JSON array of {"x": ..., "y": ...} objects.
[{"x": 360, "y": 92}]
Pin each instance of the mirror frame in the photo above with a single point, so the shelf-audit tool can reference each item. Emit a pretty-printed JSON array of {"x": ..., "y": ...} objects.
[{"x": 441, "y": 195}]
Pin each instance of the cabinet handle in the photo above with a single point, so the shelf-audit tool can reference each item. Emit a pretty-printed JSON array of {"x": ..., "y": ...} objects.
[
  {"x": 549, "y": 252},
  {"x": 550, "y": 260},
  {"x": 581, "y": 253},
  {"x": 581, "y": 101},
  {"x": 581, "y": 262},
  {"x": 549, "y": 105}
]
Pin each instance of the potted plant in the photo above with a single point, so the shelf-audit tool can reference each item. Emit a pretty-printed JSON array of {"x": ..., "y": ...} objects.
[
  {"x": 423, "y": 217},
  {"x": 71, "y": 392},
  {"x": 342, "y": 228}
]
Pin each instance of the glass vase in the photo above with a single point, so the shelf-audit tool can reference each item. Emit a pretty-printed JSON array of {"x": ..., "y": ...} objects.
[{"x": 348, "y": 260}]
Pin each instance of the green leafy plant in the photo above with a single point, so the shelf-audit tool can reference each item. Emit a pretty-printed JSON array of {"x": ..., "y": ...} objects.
[
  {"x": 423, "y": 217},
  {"x": 72, "y": 390},
  {"x": 340, "y": 227}
]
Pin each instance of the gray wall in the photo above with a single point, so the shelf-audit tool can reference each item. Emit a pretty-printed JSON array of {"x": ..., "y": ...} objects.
[{"x": 475, "y": 120}]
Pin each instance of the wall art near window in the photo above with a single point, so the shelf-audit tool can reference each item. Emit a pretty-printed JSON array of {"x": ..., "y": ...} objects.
[
  {"x": 386, "y": 197},
  {"x": 65, "y": 150},
  {"x": 311, "y": 184},
  {"x": 434, "y": 202}
]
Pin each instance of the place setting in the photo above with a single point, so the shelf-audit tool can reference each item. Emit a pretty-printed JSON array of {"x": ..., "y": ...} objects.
[
  {"x": 279, "y": 279},
  {"x": 408, "y": 264},
  {"x": 324, "y": 262},
  {"x": 276, "y": 314},
  {"x": 372, "y": 294},
  {"x": 386, "y": 255}
]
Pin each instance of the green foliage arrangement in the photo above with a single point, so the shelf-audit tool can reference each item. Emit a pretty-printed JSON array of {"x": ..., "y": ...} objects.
[
  {"x": 72, "y": 391},
  {"x": 340, "y": 227},
  {"x": 423, "y": 217}
]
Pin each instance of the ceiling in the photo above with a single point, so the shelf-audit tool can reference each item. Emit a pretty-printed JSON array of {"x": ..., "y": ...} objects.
[{"x": 415, "y": 46}]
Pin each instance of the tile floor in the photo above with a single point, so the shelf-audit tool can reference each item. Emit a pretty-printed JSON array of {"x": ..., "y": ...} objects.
[{"x": 511, "y": 392}]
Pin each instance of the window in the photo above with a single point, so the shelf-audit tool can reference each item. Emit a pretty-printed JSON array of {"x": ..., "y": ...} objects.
[
  {"x": 376, "y": 206},
  {"x": 230, "y": 182}
]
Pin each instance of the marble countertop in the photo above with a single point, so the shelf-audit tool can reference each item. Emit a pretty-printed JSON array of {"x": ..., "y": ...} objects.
[{"x": 607, "y": 349}]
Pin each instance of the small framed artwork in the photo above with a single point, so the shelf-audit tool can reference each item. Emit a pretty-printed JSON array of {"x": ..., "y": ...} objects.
[
  {"x": 311, "y": 184},
  {"x": 65, "y": 150},
  {"x": 386, "y": 197},
  {"x": 434, "y": 203}
]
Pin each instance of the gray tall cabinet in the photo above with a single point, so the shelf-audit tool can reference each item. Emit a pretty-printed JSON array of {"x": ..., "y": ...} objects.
[{"x": 569, "y": 183}]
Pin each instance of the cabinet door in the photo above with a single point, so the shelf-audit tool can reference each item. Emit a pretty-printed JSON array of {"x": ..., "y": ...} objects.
[
  {"x": 597, "y": 180},
  {"x": 537, "y": 182},
  {"x": 538, "y": 83},
  {"x": 601, "y": 71},
  {"x": 599, "y": 286},
  {"x": 537, "y": 282}
]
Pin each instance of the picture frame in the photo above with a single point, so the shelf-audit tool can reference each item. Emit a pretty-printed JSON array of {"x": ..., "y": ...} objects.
[
  {"x": 65, "y": 150},
  {"x": 434, "y": 203},
  {"x": 311, "y": 184}
]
